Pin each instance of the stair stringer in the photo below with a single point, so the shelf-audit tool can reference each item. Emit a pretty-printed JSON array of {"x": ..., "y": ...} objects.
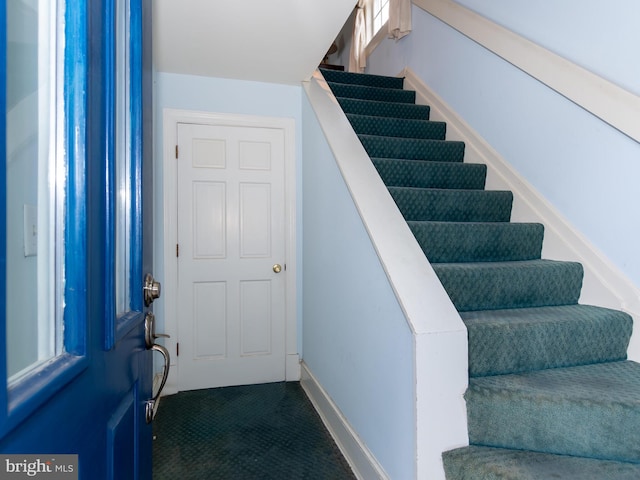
[
  {"x": 439, "y": 335},
  {"x": 604, "y": 284}
]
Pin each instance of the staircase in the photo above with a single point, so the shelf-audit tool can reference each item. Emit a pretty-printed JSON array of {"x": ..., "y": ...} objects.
[{"x": 551, "y": 394}]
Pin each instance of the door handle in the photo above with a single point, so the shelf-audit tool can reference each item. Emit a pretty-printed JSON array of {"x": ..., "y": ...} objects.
[
  {"x": 152, "y": 404},
  {"x": 150, "y": 334},
  {"x": 149, "y": 339}
]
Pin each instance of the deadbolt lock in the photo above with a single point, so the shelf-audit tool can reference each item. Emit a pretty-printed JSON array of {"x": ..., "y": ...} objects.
[{"x": 151, "y": 289}]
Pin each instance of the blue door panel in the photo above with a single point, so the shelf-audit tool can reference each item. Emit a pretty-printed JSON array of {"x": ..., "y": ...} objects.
[
  {"x": 121, "y": 439},
  {"x": 97, "y": 408}
]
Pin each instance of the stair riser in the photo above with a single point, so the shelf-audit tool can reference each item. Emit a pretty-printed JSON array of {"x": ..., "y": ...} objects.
[
  {"x": 427, "y": 174},
  {"x": 561, "y": 337},
  {"x": 587, "y": 429},
  {"x": 484, "y": 463},
  {"x": 412, "y": 149},
  {"x": 453, "y": 205},
  {"x": 394, "y": 127},
  {"x": 384, "y": 109},
  {"x": 489, "y": 286},
  {"x": 449, "y": 242},
  {"x": 372, "y": 93},
  {"x": 338, "y": 76}
]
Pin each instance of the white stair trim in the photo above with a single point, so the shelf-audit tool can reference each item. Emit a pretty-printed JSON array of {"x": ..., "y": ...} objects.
[{"x": 611, "y": 103}]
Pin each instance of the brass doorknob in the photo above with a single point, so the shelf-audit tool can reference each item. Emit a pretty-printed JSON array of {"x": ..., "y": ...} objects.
[{"x": 277, "y": 268}]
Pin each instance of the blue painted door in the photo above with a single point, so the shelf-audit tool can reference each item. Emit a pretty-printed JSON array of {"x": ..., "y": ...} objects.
[{"x": 84, "y": 240}]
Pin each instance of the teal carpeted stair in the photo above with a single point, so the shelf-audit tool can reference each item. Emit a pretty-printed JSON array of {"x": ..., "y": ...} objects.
[
  {"x": 551, "y": 394},
  {"x": 397, "y": 127}
]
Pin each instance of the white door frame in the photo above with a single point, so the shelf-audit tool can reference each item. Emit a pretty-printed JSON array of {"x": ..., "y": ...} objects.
[{"x": 171, "y": 119}]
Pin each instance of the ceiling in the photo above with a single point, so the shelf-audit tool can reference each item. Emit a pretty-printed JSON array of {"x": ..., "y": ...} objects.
[{"x": 279, "y": 41}]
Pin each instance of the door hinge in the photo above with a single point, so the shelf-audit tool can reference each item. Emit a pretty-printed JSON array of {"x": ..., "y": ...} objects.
[
  {"x": 176, "y": 152},
  {"x": 177, "y": 250},
  {"x": 177, "y": 349}
]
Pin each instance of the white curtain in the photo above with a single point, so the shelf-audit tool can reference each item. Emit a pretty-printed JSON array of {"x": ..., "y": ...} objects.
[
  {"x": 399, "y": 18},
  {"x": 357, "y": 56}
]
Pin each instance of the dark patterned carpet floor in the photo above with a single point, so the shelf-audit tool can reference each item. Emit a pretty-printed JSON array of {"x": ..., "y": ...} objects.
[{"x": 268, "y": 431}]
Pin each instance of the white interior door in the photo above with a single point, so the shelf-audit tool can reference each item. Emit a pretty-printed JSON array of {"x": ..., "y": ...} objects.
[{"x": 231, "y": 255}]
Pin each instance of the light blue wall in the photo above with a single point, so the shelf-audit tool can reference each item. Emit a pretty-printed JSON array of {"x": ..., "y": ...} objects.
[
  {"x": 357, "y": 342},
  {"x": 204, "y": 94},
  {"x": 588, "y": 170},
  {"x": 602, "y": 37}
]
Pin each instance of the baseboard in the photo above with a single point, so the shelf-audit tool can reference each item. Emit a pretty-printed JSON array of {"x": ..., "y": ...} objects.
[
  {"x": 292, "y": 374},
  {"x": 292, "y": 367},
  {"x": 604, "y": 284},
  {"x": 361, "y": 460}
]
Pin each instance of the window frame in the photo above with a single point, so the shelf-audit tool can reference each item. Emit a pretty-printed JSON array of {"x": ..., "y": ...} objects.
[
  {"x": 25, "y": 395},
  {"x": 118, "y": 324},
  {"x": 374, "y": 38},
  {"x": 375, "y": 12}
]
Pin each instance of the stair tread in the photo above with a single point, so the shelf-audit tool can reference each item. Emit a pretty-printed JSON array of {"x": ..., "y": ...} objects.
[
  {"x": 525, "y": 339},
  {"x": 536, "y": 315},
  {"x": 608, "y": 383},
  {"x": 488, "y": 463},
  {"x": 507, "y": 265}
]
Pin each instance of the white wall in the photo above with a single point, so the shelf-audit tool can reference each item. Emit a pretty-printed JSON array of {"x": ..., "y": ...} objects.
[
  {"x": 585, "y": 168},
  {"x": 189, "y": 92},
  {"x": 357, "y": 342}
]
